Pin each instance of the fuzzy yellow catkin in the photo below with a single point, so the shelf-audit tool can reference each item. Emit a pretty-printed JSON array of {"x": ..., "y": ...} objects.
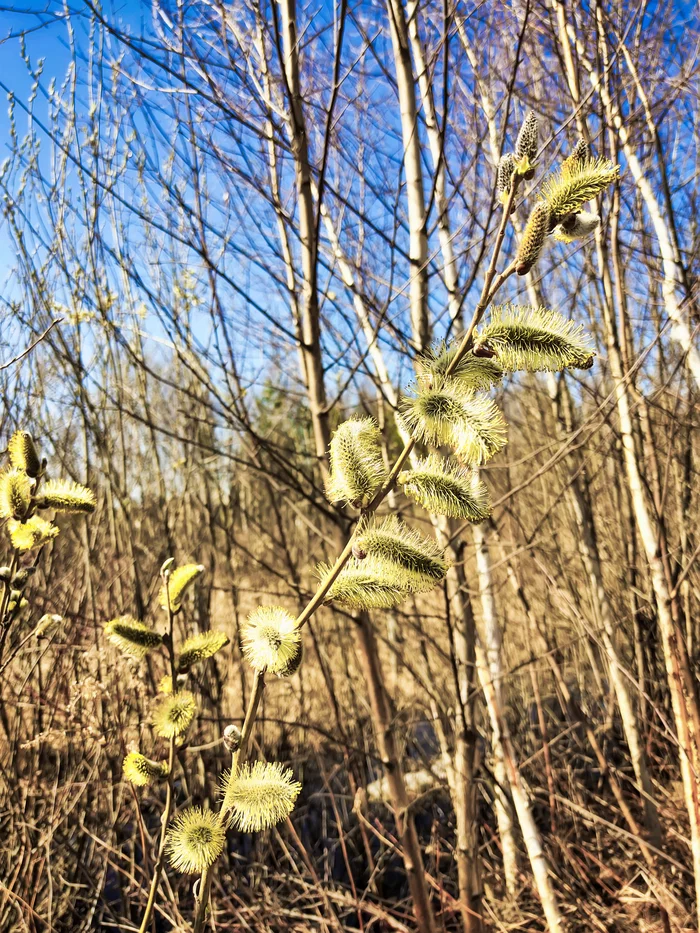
[
  {"x": 356, "y": 466},
  {"x": 534, "y": 339},
  {"x": 179, "y": 582},
  {"x": 259, "y": 796},
  {"x": 534, "y": 237},
  {"x": 65, "y": 496},
  {"x": 362, "y": 584},
  {"x": 200, "y": 647},
  {"x": 270, "y": 640},
  {"x": 32, "y": 533},
  {"x": 414, "y": 561},
  {"x": 131, "y": 636},
  {"x": 141, "y": 771},
  {"x": 15, "y": 494},
  {"x": 173, "y": 713},
  {"x": 568, "y": 192},
  {"x": 195, "y": 840},
  {"x": 446, "y": 488},
  {"x": 23, "y": 453}
]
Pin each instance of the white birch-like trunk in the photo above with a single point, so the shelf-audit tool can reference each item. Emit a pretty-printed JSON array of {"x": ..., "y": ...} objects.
[
  {"x": 438, "y": 158},
  {"x": 519, "y": 793},
  {"x": 493, "y": 647},
  {"x": 415, "y": 196}
]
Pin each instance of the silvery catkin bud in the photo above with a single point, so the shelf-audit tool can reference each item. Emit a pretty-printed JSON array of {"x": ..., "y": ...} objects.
[
  {"x": 535, "y": 233},
  {"x": 232, "y": 738},
  {"x": 358, "y": 553},
  {"x": 504, "y": 176},
  {"x": 526, "y": 145},
  {"x": 576, "y": 227},
  {"x": 19, "y": 581}
]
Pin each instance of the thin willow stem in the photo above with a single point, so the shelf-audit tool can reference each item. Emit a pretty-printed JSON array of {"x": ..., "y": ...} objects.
[
  {"x": 169, "y": 794},
  {"x": 203, "y": 893}
]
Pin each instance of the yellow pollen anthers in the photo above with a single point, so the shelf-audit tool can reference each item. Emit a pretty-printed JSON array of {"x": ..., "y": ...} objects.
[
  {"x": 567, "y": 192},
  {"x": 15, "y": 494},
  {"x": 132, "y": 637},
  {"x": 259, "y": 796},
  {"x": 270, "y": 640},
  {"x": 34, "y": 532},
  {"x": 200, "y": 647},
  {"x": 141, "y": 771},
  {"x": 66, "y": 496},
  {"x": 195, "y": 840},
  {"x": 173, "y": 713}
]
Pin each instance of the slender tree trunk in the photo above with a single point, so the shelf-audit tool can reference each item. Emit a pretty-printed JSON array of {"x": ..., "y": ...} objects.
[
  {"x": 493, "y": 647},
  {"x": 579, "y": 499},
  {"x": 383, "y": 719},
  {"x": 464, "y": 757},
  {"x": 313, "y": 373},
  {"x": 415, "y": 196},
  {"x": 680, "y": 679},
  {"x": 438, "y": 158},
  {"x": 310, "y": 327},
  {"x": 519, "y": 793}
]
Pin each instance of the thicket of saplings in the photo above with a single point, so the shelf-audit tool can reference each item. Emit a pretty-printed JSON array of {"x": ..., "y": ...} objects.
[{"x": 450, "y": 426}]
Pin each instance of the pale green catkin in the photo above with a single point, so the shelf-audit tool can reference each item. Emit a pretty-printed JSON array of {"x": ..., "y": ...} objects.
[
  {"x": 179, "y": 582},
  {"x": 356, "y": 466},
  {"x": 445, "y": 488},
  {"x": 535, "y": 339},
  {"x": 450, "y": 413},
  {"x": 568, "y": 192},
  {"x": 132, "y": 637},
  {"x": 195, "y": 840},
  {"x": 414, "y": 561},
  {"x": 66, "y": 496},
  {"x": 200, "y": 647}
]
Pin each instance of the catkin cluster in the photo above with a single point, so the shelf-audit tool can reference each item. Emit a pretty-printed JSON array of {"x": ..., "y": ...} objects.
[
  {"x": 254, "y": 796},
  {"x": 30, "y": 505}
]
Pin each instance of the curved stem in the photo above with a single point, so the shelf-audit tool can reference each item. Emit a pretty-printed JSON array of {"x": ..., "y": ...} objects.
[
  {"x": 251, "y": 713},
  {"x": 169, "y": 796},
  {"x": 160, "y": 859}
]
